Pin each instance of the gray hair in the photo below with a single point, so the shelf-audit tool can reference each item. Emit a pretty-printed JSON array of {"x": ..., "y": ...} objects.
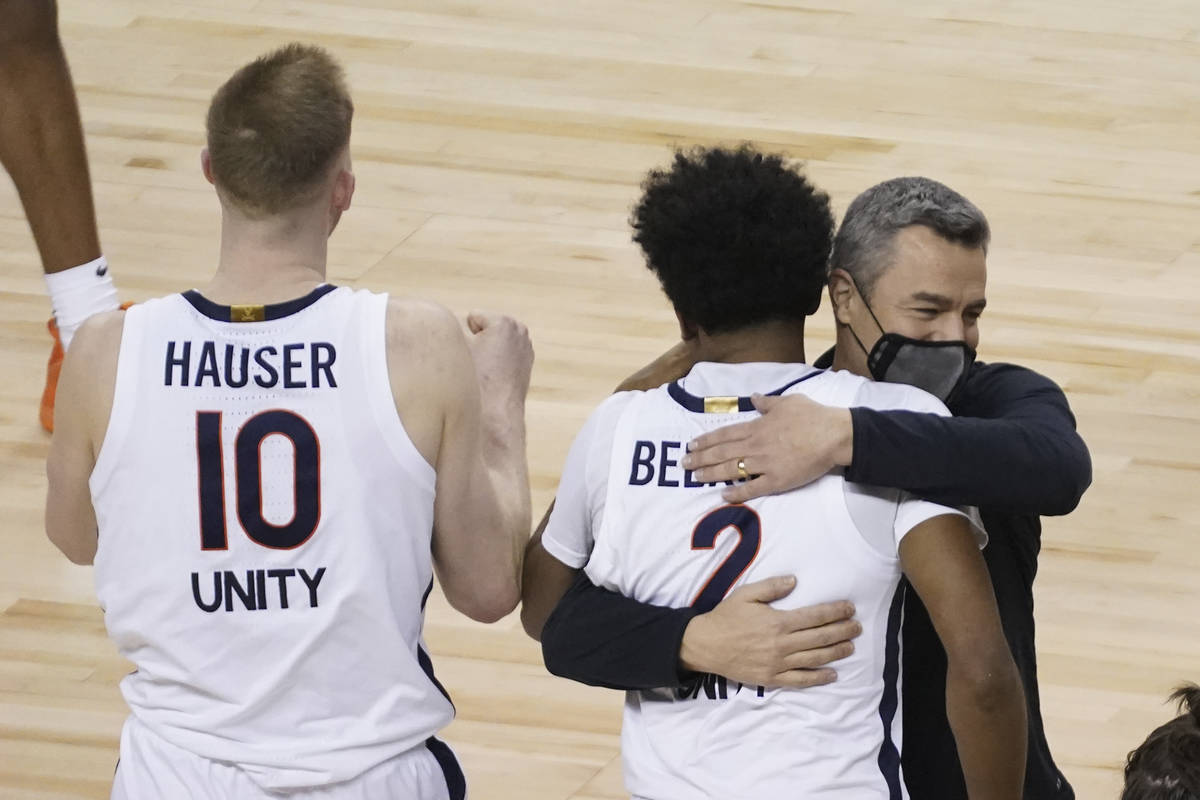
[{"x": 863, "y": 246}]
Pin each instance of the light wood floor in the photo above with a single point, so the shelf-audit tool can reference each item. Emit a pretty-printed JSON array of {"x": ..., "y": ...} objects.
[{"x": 498, "y": 147}]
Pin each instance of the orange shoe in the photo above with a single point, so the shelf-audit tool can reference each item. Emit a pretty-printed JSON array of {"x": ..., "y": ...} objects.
[{"x": 53, "y": 368}]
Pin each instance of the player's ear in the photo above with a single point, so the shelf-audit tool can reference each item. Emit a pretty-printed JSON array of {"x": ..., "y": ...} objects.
[
  {"x": 688, "y": 331},
  {"x": 841, "y": 295},
  {"x": 343, "y": 189},
  {"x": 339, "y": 200},
  {"x": 206, "y": 166}
]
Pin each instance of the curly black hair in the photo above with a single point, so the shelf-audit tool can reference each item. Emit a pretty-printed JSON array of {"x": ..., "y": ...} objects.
[
  {"x": 736, "y": 237},
  {"x": 1167, "y": 765}
]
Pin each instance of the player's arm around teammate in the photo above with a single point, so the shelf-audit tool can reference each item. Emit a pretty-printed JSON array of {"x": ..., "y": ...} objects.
[
  {"x": 468, "y": 419},
  {"x": 984, "y": 700}
]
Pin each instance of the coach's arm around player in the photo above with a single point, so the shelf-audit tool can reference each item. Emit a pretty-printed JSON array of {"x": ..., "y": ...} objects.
[{"x": 634, "y": 645}]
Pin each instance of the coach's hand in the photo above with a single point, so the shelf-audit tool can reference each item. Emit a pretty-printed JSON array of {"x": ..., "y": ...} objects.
[
  {"x": 748, "y": 641},
  {"x": 794, "y": 442},
  {"x": 503, "y": 355}
]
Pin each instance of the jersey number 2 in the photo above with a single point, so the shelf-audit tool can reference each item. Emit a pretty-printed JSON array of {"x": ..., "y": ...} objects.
[
  {"x": 306, "y": 507},
  {"x": 744, "y": 521}
]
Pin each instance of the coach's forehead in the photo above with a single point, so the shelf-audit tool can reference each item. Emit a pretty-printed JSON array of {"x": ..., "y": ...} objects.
[{"x": 923, "y": 263}]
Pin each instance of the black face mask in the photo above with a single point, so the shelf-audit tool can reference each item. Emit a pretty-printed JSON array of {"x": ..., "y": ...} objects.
[{"x": 939, "y": 368}]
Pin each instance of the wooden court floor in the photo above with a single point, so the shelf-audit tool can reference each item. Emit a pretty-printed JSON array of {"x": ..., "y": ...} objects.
[{"x": 498, "y": 146}]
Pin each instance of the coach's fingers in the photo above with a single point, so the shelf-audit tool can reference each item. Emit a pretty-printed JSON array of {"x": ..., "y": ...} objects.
[
  {"x": 803, "y": 678},
  {"x": 764, "y": 403},
  {"x": 800, "y": 619},
  {"x": 824, "y": 636},
  {"x": 759, "y": 486},
  {"x": 767, "y": 590},
  {"x": 811, "y": 659},
  {"x": 751, "y": 467},
  {"x": 718, "y": 457},
  {"x": 701, "y": 449}
]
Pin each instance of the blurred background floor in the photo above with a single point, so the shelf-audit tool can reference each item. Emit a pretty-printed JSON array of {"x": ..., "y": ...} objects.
[{"x": 498, "y": 146}]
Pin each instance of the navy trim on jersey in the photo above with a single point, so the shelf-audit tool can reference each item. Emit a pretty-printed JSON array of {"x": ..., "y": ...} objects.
[
  {"x": 889, "y": 756},
  {"x": 696, "y": 404},
  {"x": 222, "y": 313},
  {"x": 425, "y": 661},
  {"x": 456, "y": 782}
]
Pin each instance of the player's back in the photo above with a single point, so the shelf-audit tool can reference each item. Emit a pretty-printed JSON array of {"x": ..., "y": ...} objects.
[
  {"x": 264, "y": 536},
  {"x": 664, "y": 538}
]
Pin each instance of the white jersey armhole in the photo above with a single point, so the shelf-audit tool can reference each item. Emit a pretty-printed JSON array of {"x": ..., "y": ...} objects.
[
  {"x": 125, "y": 395},
  {"x": 882, "y": 515},
  {"x": 873, "y": 511},
  {"x": 582, "y": 497},
  {"x": 377, "y": 379}
]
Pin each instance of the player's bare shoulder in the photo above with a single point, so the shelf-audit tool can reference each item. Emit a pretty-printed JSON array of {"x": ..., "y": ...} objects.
[
  {"x": 99, "y": 334},
  {"x": 89, "y": 374},
  {"x": 92, "y": 359},
  {"x": 422, "y": 330},
  {"x": 428, "y": 361}
]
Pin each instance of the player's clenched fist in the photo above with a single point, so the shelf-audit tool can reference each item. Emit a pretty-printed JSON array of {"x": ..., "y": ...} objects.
[{"x": 503, "y": 354}]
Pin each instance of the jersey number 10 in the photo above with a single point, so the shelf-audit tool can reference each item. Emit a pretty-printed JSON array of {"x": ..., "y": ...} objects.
[{"x": 306, "y": 506}]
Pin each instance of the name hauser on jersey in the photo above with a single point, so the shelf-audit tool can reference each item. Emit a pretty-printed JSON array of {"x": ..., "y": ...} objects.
[{"x": 292, "y": 366}]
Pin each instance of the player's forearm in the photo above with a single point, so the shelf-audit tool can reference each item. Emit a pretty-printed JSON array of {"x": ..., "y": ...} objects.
[
  {"x": 538, "y": 591},
  {"x": 477, "y": 567},
  {"x": 70, "y": 519},
  {"x": 506, "y": 460},
  {"x": 480, "y": 554},
  {"x": 987, "y": 715},
  {"x": 77, "y": 543}
]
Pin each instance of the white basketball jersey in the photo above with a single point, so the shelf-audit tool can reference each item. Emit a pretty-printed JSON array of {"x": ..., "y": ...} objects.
[
  {"x": 264, "y": 537},
  {"x": 663, "y": 538}
]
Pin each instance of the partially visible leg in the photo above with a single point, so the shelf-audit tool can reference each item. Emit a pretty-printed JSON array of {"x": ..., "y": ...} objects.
[{"x": 41, "y": 146}]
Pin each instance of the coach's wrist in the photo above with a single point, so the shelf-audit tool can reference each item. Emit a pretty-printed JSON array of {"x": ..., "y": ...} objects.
[
  {"x": 696, "y": 647},
  {"x": 841, "y": 428}
]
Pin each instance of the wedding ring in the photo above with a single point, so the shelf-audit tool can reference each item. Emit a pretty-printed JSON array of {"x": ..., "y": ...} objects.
[{"x": 742, "y": 469}]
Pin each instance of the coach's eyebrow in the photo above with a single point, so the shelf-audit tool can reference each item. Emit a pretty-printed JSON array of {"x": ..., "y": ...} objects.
[{"x": 939, "y": 300}]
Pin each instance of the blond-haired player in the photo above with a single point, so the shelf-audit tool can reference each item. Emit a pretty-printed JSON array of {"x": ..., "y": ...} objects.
[{"x": 267, "y": 472}]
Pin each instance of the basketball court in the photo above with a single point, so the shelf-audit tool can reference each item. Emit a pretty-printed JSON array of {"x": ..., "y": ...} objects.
[{"x": 498, "y": 147}]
